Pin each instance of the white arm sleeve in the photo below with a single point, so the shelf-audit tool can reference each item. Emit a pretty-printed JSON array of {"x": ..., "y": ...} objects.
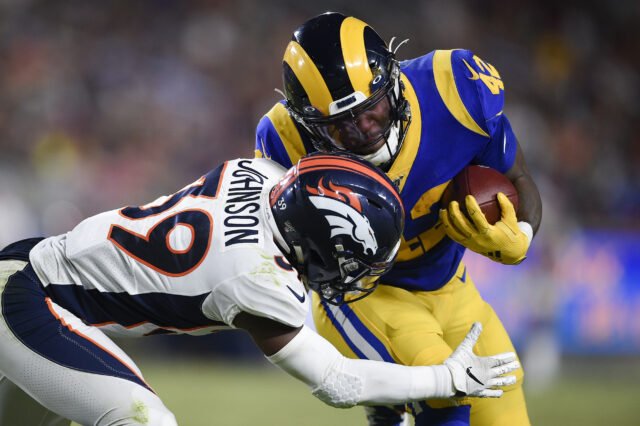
[{"x": 343, "y": 382}]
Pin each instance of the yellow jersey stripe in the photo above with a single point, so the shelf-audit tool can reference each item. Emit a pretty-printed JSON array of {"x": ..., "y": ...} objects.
[
  {"x": 355, "y": 55},
  {"x": 287, "y": 131},
  {"x": 427, "y": 200},
  {"x": 309, "y": 76},
  {"x": 446, "y": 85},
  {"x": 402, "y": 164}
]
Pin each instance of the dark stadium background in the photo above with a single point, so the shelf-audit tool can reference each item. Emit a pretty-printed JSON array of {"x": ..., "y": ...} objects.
[{"x": 106, "y": 104}]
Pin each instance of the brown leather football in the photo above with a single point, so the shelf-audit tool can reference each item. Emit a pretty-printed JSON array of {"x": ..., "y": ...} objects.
[{"x": 483, "y": 183}]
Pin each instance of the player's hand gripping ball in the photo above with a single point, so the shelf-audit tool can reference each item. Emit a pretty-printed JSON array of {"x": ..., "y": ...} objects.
[
  {"x": 483, "y": 183},
  {"x": 479, "y": 212}
]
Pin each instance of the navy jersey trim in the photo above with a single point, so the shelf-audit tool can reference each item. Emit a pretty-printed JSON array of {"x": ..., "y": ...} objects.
[
  {"x": 161, "y": 309},
  {"x": 19, "y": 250}
]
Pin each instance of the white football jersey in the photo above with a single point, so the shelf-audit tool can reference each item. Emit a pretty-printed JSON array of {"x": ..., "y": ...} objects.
[{"x": 185, "y": 263}]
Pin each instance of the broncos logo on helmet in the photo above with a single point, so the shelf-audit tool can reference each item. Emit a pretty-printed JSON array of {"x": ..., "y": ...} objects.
[
  {"x": 340, "y": 220},
  {"x": 345, "y": 218}
]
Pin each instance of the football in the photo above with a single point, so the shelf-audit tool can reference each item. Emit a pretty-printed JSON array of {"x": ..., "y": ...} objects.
[{"x": 483, "y": 183}]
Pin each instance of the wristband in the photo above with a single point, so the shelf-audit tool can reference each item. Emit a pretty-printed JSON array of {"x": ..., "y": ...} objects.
[{"x": 526, "y": 229}]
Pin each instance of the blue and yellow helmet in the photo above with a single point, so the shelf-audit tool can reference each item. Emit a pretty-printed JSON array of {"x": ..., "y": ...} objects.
[{"x": 334, "y": 69}]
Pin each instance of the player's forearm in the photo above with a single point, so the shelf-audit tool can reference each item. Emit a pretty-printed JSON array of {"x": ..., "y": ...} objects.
[
  {"x": 343, "y": 382},
  {"x": 387, "y": 383},
  {"x": 529, "y": 202}
]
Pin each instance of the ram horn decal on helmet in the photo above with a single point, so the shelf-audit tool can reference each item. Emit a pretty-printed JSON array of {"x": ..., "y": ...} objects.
[{"x": 336, "y": 71}]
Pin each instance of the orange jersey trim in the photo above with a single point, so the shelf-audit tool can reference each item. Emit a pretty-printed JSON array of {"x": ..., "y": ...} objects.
[{"x": 64, "y": 323}]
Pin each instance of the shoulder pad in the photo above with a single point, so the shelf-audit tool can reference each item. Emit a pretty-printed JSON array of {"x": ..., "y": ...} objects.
[
  {"x": 469, "y": 87},
  {"x": 478, "y": 79},
  {"x": 278, "y": 138}
]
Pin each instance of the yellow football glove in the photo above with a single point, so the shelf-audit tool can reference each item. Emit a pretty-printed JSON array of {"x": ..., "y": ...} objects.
[{"x": 504, "y": 242}]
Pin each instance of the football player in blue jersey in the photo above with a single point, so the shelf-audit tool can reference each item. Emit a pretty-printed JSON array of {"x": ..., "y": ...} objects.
[{"x": 422, "y": 121}]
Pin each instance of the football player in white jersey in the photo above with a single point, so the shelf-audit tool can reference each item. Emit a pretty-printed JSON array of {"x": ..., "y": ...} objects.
[{"x": 238, "y": 248}]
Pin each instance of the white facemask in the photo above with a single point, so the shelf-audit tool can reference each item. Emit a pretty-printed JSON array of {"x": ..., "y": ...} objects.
[{"x": 387, "y": 150}]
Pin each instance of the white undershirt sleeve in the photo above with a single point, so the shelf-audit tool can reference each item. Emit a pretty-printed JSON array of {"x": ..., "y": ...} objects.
[{"x": 344, "y": 382}]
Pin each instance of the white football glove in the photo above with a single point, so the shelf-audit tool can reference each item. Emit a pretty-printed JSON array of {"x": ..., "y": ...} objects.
[{"x": 473, "y": 375}]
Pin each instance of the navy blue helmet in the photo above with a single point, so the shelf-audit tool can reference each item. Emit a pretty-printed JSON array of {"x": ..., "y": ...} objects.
[{"x": 341, "y": 220}]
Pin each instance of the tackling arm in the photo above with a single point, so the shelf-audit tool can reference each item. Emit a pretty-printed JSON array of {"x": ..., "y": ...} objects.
[{"x": 343, "y": 382}]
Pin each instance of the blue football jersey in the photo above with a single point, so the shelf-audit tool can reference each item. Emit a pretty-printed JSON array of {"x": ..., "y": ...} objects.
[{"x": 457, "y": 119}]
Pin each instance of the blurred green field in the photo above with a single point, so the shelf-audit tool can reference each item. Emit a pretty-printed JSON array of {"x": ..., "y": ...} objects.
[{"x": 217, "y": 393}]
